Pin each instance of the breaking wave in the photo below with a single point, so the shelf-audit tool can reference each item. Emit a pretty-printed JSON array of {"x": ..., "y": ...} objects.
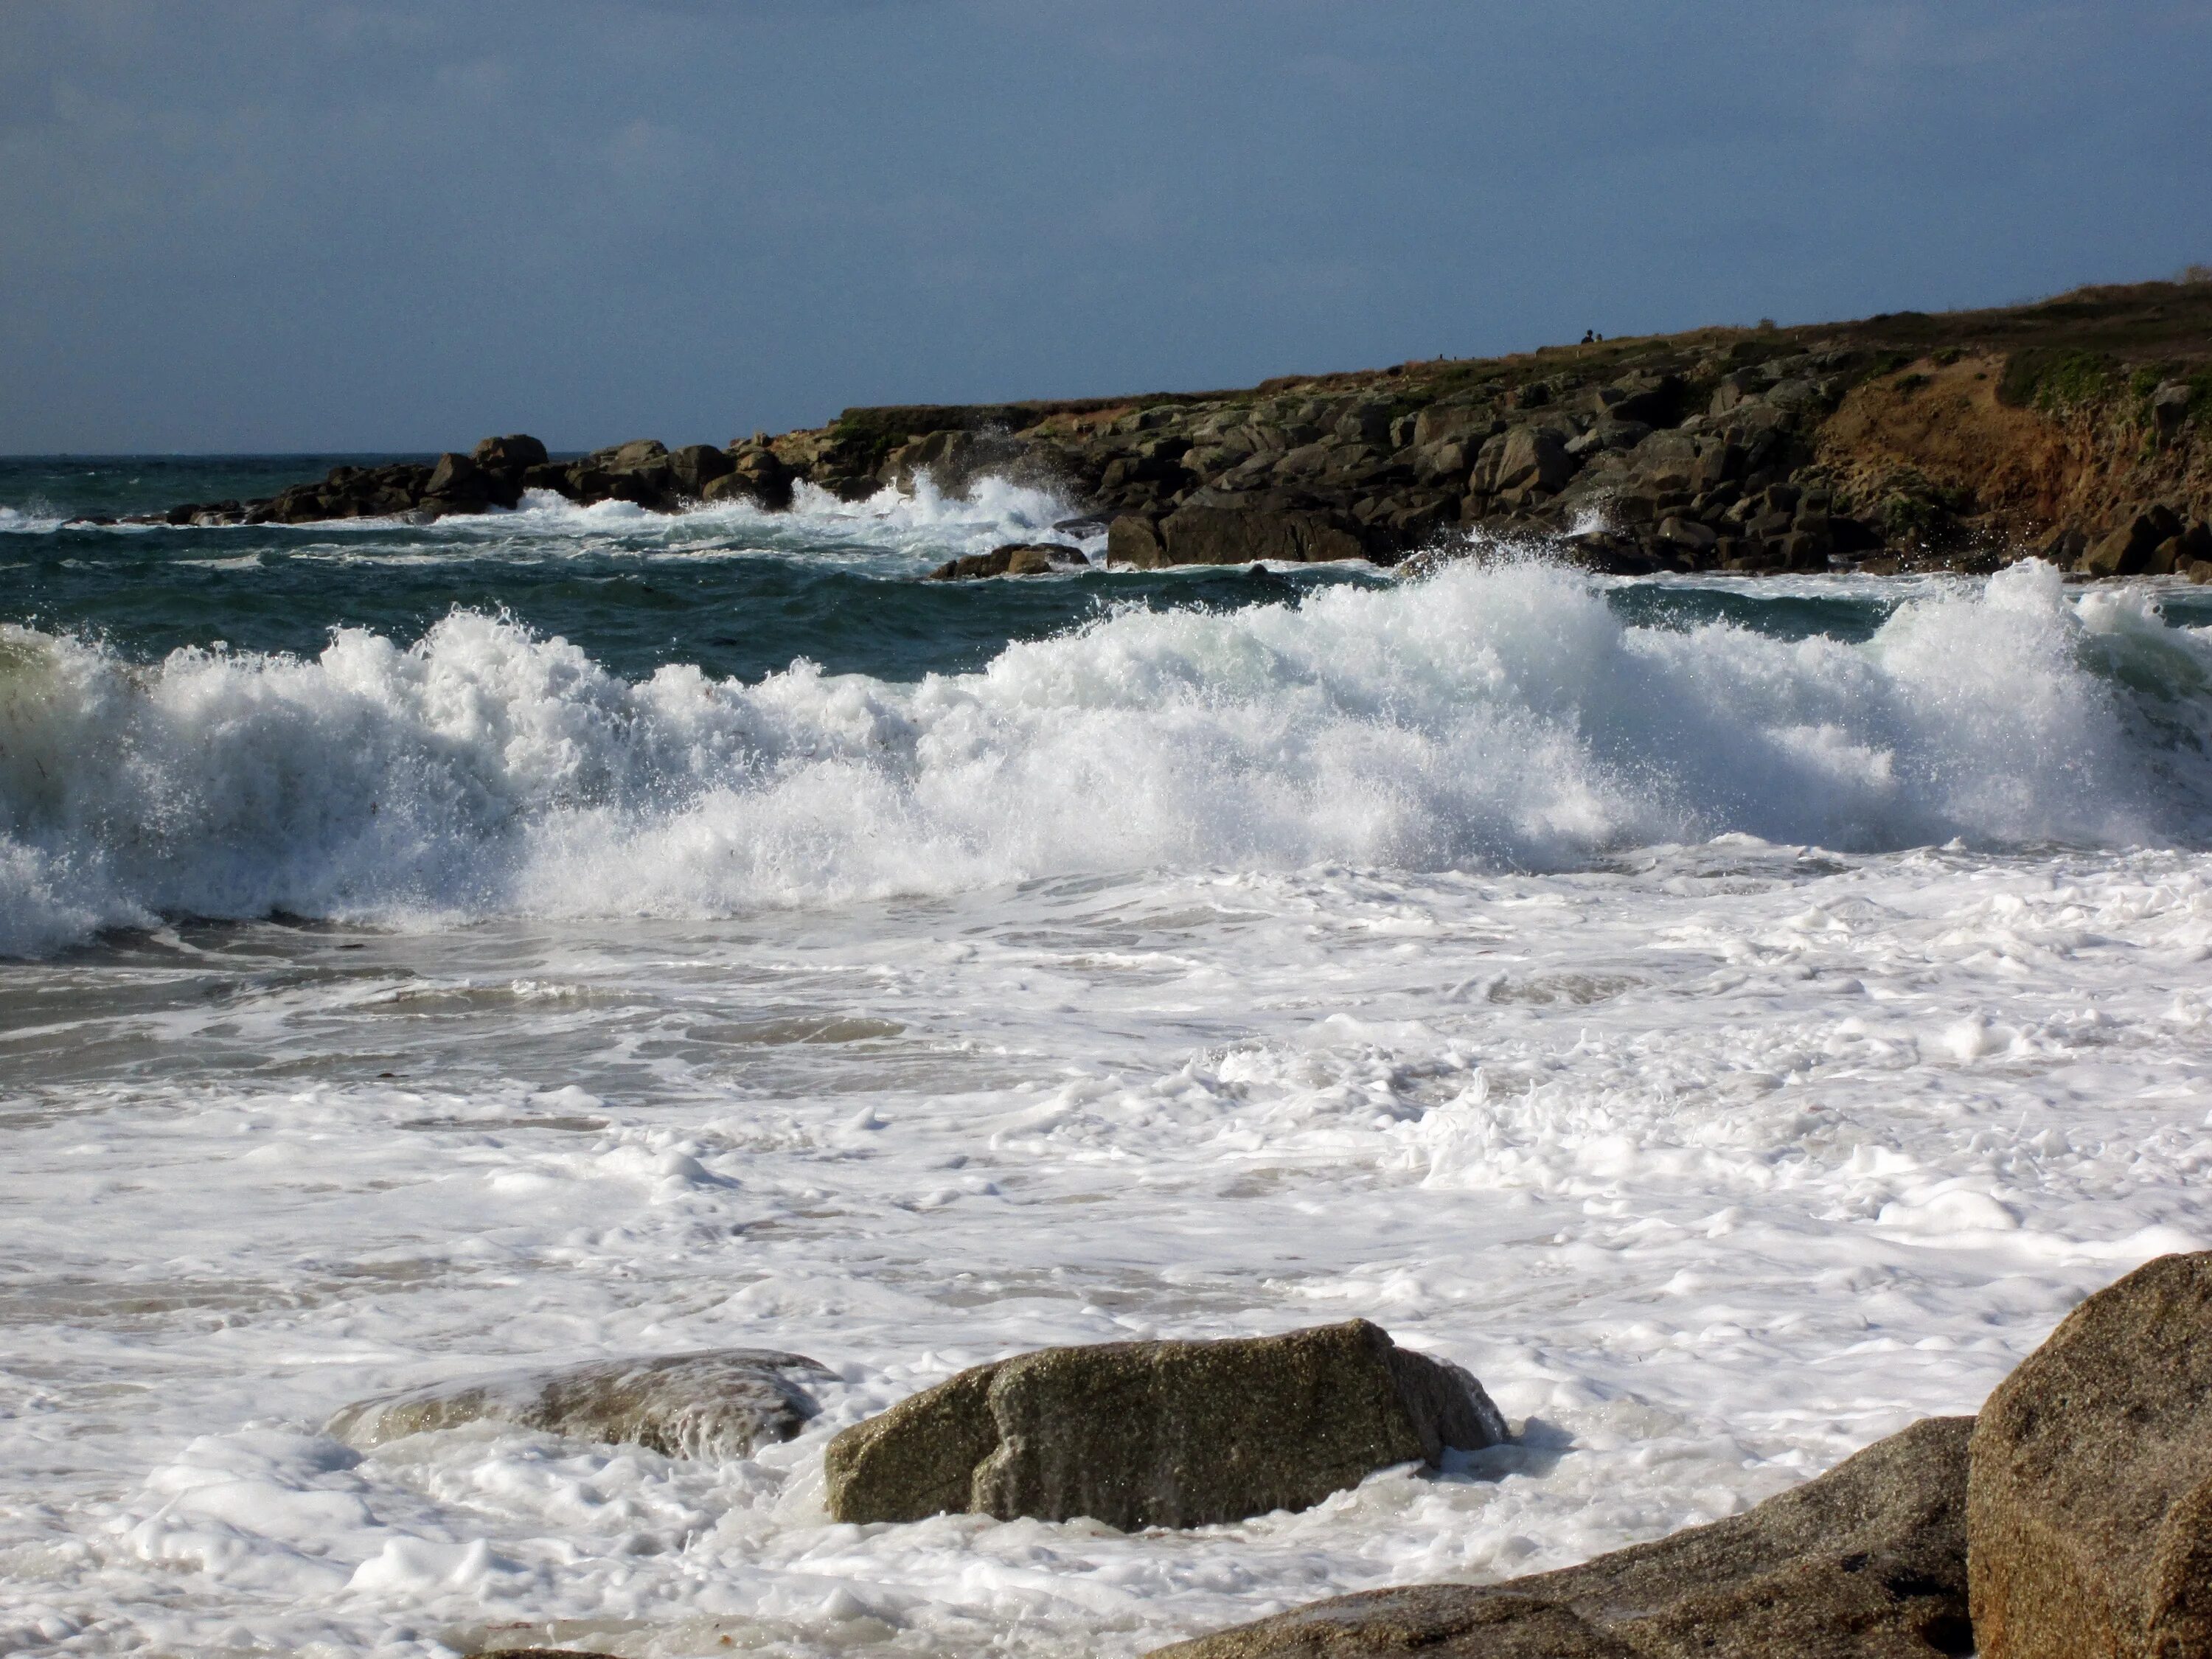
[{"x": 1484, "y": 717}]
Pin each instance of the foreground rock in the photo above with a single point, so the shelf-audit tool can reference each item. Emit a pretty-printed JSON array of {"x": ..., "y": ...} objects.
[
  {"x": 719, "y": 1404},
  {"x": 1867, "y": 1562},
  {"x": 2091, "y": 1496},
  {"x": 1160, "y": 1434}
]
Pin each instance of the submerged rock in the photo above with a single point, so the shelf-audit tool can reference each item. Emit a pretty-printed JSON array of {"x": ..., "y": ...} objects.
[
  {"x": 1160, "y": 1434},
  {"x": 1015, "y": 559},
  {"x": 718, "y": 1404},
  {"x": 2090, "y": 1505},
  {"x": 1867, "y": 1562}
]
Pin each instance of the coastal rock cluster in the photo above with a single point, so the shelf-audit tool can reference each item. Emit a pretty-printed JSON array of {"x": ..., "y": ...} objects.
[
  {"x": 499, "y": 469},
  {"x": 1869, "y": 1559},
  {"x": 2073, "y": 1515},
  {"x": 2079, "y": 430}
]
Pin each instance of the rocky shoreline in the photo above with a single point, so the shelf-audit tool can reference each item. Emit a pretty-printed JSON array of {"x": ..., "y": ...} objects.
[
  {"x": 2072, "y": 1516},
  {"x": 2079, "y": 430}
]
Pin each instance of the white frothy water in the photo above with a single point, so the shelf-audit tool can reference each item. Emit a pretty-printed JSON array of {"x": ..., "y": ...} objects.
[
  {"x": 1453, "y": 955},
  {"x": 927, "y": 523},
  {"x": 1713, "y": 1170},
  {"x": 1484, "y": 718},
  {"x": 33, "y": 519}
]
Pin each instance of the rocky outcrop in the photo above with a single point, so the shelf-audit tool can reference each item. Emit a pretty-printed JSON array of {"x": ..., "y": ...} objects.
[
  {"x": 1867, "y": 1562},
  {"x": 719, "y": 1404},
  {"x": 1954, "y": 441},
  {"x": 498, "y": 471},
  {"x": 2090, "y": 1498},
  {"x": 1159, "y": 1434}
]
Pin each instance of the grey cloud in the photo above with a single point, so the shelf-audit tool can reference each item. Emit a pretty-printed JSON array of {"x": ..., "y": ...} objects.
[{"x": 291, "y": 225}]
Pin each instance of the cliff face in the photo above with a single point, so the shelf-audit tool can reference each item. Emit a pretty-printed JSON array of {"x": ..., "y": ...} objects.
[
  {"x": 2080, "y": 428},
  {"x": 1960, "y": 440}
]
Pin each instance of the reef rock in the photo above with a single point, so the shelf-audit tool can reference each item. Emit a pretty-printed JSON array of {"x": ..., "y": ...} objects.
[
  {"x": 1015, "y": 559},
  {"x": 718, "y": 1404},
  {"x": 1160, "y": 1434},
  {"x": 2090, "y": 1503},
  {"x": 1867, "y": 1562}
]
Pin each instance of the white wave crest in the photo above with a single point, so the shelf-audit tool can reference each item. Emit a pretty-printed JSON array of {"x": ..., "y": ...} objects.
[
  {"x": 929, "y": 523},
  {"x": 32, "y": 519},
  {"x": 1492, "y": 716}
]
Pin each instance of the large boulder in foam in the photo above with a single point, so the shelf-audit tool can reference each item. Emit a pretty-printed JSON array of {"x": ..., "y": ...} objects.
[
  {"x": 1867, "y": 1562},
  {"x": 2090, "y": 1507},
  {"x": 718, "y": 1404},
  {"x": 1160, "y": 1434}
]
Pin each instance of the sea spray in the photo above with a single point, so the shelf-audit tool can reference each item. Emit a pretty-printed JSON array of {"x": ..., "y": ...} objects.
[{"x": 1501, "y": 716}]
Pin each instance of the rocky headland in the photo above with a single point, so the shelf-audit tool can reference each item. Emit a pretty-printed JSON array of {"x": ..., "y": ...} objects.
[{"x": 2078, "y": 428}]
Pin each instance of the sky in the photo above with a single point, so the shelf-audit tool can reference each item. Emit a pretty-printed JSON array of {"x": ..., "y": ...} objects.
[{"x": 316, "y": 225}]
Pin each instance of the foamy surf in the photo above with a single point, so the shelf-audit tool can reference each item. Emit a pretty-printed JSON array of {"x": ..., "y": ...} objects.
[
  {"x": 1488, "y": 717},
  {"x": 1732, "y": 1019},
  {"x": 1713, "y": 1170}
]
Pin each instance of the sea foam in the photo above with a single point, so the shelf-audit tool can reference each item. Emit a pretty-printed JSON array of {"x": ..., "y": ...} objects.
[{"x": 1489, "y": 716}]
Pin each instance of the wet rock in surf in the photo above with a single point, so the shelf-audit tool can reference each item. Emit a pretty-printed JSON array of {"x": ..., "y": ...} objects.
[
  {"x": 697, "y": 465},
  {"x": 1867, "y": 1562},
  {"x": 757, "y": 474},
  {"x": 718, "y": 1404},
  {"x": 1015, "y": 559},
  {"x": 1134, "y": 539},
  {"x": 1227, "y": 534},
  {"x": 458, "y": 485},
  {"x": 1160, "y": 1434},
  {"x": 2090, "y": 1505}
]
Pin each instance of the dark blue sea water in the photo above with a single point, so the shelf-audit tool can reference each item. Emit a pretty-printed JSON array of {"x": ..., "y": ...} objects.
[{"x": 738, "y": 592}]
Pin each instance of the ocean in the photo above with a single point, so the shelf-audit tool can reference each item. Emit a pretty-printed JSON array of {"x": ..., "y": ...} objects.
[{"x": 1732, "y": 1018}]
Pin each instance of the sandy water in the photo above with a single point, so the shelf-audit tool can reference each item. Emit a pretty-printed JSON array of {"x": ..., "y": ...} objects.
[{"x": 1733, "y": 1020}]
